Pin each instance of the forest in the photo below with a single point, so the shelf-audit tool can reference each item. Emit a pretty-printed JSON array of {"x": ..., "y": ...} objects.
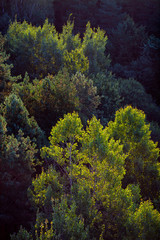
[{"x": 79, "y": 119}]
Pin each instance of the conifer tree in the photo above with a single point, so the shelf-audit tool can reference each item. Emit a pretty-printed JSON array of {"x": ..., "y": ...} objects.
[
  {"x": 141, "y": 164},
  {"x": 6, "y": 79},
  {"x": 17, "y": 118}
]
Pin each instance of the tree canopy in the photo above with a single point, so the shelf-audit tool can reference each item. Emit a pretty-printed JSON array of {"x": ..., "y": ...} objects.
[{"x": 79, "y": 120}]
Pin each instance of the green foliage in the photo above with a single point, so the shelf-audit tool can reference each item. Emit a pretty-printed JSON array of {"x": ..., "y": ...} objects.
[
  {"x": 6, "y": 80},
  {"x": 136, "y": 196},
  {"x": 19, "y": 151},
  {"x": 43, "y": 232},
  {"x": 110, "y": 98},
  {"x": 103, "y": 177},
  {"x": 21, "y": 235},
  {"x": 106, "y": 161},
  {"x": 38, "y": 48},
  {"x": 140, "y": 11},
  {"x": 66, "y": 223},
  {"x": 145, "y": 68},
  {"x": 141, "y": 163},
  {"x": 3, "y": 130},
  {"x": 93, "y": 178},
  {"x": 82, "y": 197},
  {"x": 50, "y": 98},
  {"x": 42, "y": 50},
  {"x": 133, "y": 93},
  {"x": 87, "y": 94},
  {"x": 155, "y": 132},
  {"x": 66, "y": 131},
  {"x": 70, "y": 41},
  {"x": 125, "y": 41},
  {"x": 94, "y": 43},
  {"x": 75, "y": 61},
  {"x": 144, "y": 223},
  {"x": 45, "y": 189},
  {"x": 17, "y": 118},
  {"x": 97, "y": 165},
  {"x": 16, "y": 168}
]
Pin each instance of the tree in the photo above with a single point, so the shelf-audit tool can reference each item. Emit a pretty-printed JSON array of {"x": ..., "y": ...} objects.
[
  {"x": 133, "y": 93},
  {"x": 144, "y": 223},
  {"x": 21, "y": 235},
  {"x": 85, "y": 187},
  {"x": 45, "y": 190},
  {"x": 38, "y": 48},
  {"x": 145, "y": 68},
  {"x": 140, "y": 10},
  {"x": 6, "y": 79},
  {"x": 67, "y": 224},
  {"x": 110, "y": 97},
  {"x": 3, "y": 130},
  {"x": 42, "y": 50},
  {"x": 125, "y": 41},
  {"x": 16, "y": 169},
  {"x": 70, "y": 40},
  {"x": 94, "y": 43},
  {"x": 87, "y": 94},
  {"x": 134, "y": 133},
  {"x": 91, "y": 163},
  {"x": 66, "y": 132},
  {"x": 48, "y": 99},
  {"x": 52, "y": 97},
  {"x": 17, "y": 118},
  {"x": 75, "y": 61}
]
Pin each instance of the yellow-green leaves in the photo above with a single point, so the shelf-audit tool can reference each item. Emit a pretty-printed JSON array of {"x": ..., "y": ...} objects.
[
  {"x": 64, "y": 137},
  {"x": 45, "y": 187},
  {"x": 90, "y": 158},
  {"x": 75, "y": 61},
  {"x": 93, "y": 45},
  {"x": 131, "y": 129},
  {"x": 69, "y": 40},
  {"x": 43, "y": 50},
  {"x": 67, "y": 129},
  {"x": 92, "y": 163},
  {"x": 133, "y": 132},
  {"x": 144, "y": 223},
  {"x": 36, "y": 48}
]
